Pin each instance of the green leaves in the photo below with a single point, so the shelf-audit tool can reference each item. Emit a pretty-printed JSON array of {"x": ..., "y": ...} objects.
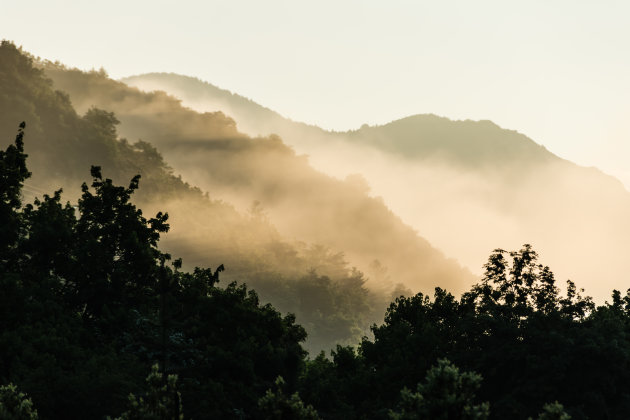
[
  {"x": 15, "y": 405},
  {"x": 445, "y": 394},
  {"x": 553, "y": 411},
  {"x": 162, "y": 400},
  {"x": 275, "y": 405}
]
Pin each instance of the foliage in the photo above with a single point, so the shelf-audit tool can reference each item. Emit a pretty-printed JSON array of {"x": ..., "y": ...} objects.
[
  {"x": 445, "y": 394},
  {"x": 553, "y": 411},
  {"x": 162, "y": 400},
  {"x": 13, "y": 172},
  {"x": 15, "y": 405},
  {"x": 275, "y": 405},
  {"x": 89, "y": 301},
  {"x": 531, "y": 344}
]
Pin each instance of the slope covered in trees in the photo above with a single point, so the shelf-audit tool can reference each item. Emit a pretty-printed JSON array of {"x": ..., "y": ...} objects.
[
  {"x": 466, "y": 185},
  {"x": 301, "y": 202}
]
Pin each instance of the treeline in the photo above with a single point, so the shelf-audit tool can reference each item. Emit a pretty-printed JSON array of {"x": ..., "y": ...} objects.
[{"x": 89, "y": 304}]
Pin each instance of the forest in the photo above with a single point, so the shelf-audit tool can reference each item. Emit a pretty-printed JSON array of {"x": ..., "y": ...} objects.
[
  {"x": 91, "y": 306},
  {"x": 98, "y": 320}
]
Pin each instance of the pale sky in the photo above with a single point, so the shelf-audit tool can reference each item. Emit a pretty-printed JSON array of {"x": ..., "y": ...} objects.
[{"x": 557, "y": 71}]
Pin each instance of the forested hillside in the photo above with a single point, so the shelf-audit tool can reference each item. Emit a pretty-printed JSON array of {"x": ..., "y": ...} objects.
[
  {"x": 299, "y": 201},
  {"x": 467, "y": 186}
]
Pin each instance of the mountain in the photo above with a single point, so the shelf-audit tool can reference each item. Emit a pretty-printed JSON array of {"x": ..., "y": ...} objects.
[
  {"x": 467, "y": 186},
  {"x": 292, "y": 233}
]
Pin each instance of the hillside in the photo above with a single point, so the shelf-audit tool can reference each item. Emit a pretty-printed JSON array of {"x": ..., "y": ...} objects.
[
  {"x": 468, "y": 186},
  {"x": 302, "y": 203}
]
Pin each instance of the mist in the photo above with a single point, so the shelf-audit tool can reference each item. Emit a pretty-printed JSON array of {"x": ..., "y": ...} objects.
[
  {"x": 302, "y": 203},
  {"x": 467, "y": 187}
]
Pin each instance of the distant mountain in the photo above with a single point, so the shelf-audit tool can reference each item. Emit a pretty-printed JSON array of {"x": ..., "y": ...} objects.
[
  {"x": 467, "y": 143},
  {"x": 467, "y": 186},
  {"x": 252, "y": 118}
]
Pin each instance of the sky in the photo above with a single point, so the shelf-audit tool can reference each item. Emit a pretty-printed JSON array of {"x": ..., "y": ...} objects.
[{"x": 557, "y": 71}]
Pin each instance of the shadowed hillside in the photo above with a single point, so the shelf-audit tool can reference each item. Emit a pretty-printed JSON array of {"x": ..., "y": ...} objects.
[{"x": 466, "y": 185}]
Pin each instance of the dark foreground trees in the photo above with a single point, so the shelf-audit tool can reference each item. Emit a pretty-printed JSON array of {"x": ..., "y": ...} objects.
[
  {"x": 531, "y": 345},
  {"x": 88, "y": 304}
]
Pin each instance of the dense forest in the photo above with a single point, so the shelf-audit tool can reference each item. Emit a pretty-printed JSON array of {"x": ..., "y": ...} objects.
[
  {"x": 90, "y": 306},
  {"x": 100, "y": 319}
]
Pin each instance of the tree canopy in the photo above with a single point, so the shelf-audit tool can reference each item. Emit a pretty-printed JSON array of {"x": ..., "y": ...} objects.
[{"x": 89, "y": 302}]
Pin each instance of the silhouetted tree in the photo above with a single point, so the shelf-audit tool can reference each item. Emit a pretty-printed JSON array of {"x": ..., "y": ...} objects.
[{"x": 13, "y": 172}]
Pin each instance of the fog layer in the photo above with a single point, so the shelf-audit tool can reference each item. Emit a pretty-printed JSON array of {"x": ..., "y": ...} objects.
[{"x": 467, "y": 186}]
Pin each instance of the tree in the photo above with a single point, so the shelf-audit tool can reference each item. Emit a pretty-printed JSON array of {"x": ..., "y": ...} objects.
[
  {"x": 553, "y": 411},
  {"x": 275, "y": 405},
  {"x": 13, "y": 172},
  {"x": 15, "y": 405},
  {"x": 161, "y": 402},
  {"x": 445, "y": 394},
  {"x": 514, "y": 290},
  {"x": 118, "y": 248}
]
